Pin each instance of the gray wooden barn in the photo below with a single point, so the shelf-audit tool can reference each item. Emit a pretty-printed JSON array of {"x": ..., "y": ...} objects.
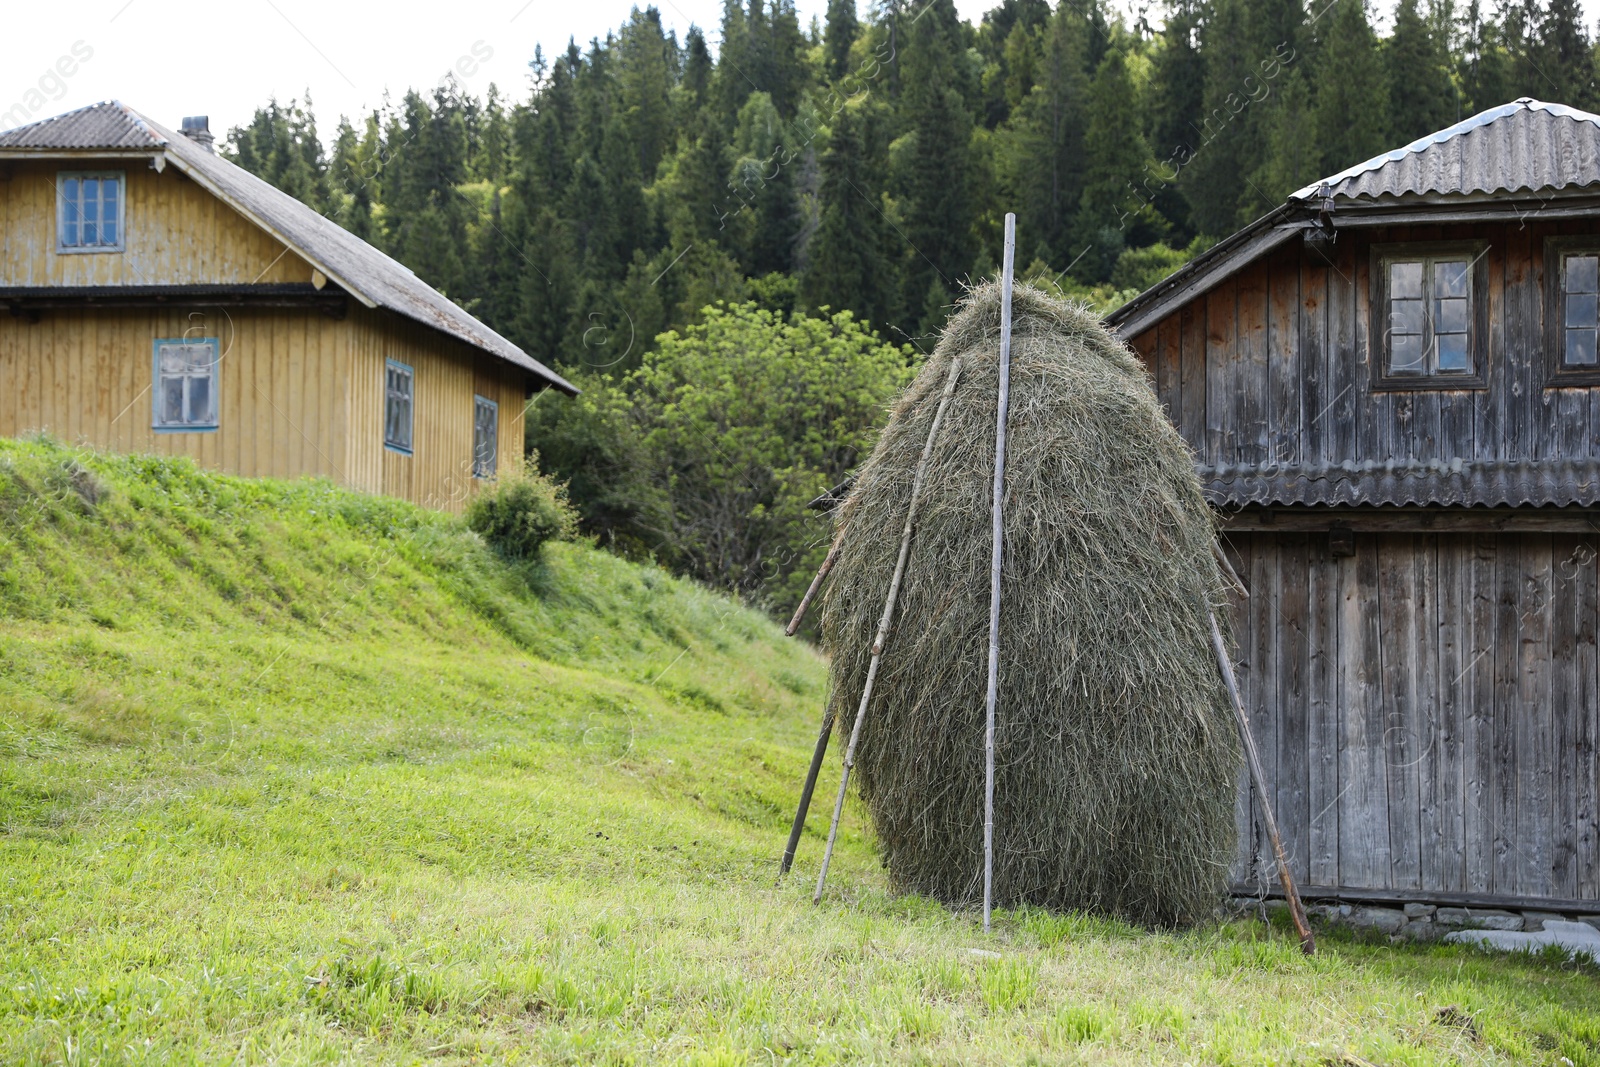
[{"x": 1392, "y": 388}]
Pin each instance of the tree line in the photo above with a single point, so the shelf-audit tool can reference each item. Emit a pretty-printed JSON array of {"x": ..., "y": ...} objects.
[{"x": 862, "y": 164}]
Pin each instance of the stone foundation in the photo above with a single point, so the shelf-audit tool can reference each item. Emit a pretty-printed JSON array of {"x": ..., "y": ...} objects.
[{"x": 1414, "y": 922}]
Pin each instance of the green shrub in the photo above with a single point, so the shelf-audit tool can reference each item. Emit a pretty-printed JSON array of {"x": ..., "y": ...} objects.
[{"x": 522, "y": 512}]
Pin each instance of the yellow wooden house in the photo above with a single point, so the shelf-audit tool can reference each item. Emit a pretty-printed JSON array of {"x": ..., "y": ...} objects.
[{"x": 156, "y": 298}]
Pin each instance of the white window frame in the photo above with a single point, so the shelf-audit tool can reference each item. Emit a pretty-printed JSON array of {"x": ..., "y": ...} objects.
[
  {"x": 483, "y": 467},
  {"x": 395, "y": 372},
  {"x": 79, "y": 248},
  {"x": 207, "y": 349}
]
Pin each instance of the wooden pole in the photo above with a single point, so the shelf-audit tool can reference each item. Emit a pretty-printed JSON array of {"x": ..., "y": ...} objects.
[
  {"x": 816, "y": 583},
  {"x": 806, "y": 791},
  {"x": 1297, "y": 910},
  {"x": 996, "y": 558},
  {"x": 885, "y": 618}
]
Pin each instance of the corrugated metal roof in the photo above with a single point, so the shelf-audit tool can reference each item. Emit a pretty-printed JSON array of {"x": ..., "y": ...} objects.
[
  {"x": 1470, "y": 483},
  {"x": 371, "y": 276},
  {"x": 108, "y": 125},
  {"x": 1524, "y": 146}
]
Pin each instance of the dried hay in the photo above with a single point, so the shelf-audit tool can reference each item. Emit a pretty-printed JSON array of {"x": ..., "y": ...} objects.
[{"x": 1116, "y": 751}]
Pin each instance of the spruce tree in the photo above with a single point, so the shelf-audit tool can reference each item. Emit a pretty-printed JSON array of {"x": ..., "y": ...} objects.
[
  {"x": 934, "y": 181},
  {"x": 1422, "y": 96},
  {"x": 848, "y": 268},
  {"x": 1041, "y": 153},
  {"x": 843, "y": 29},
  {"x": 1351, "y": 118},
  {"x": 1116, "y": 155}
]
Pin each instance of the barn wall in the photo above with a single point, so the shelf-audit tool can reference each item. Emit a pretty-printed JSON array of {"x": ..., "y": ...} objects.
[
  {"x": 1272, "y": 366},
  {"x": 176, "y": 233},
  {"x": 1425, "y": 710}
]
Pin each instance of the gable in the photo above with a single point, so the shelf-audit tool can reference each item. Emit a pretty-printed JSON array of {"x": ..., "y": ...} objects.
[{"x": 175, "y": 233}]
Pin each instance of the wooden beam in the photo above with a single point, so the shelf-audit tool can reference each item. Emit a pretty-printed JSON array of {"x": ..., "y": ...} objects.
[{"x": 1443, "y": 898}]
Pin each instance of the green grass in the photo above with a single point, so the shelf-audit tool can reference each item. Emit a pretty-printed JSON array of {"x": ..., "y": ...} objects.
[{"x": 292, "y": 775}]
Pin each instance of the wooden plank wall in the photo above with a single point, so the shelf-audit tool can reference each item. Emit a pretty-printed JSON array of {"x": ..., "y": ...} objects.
[
  {"x": 300, "y": 394},
  {"x": 176, "y": 233},
  {"x": 85, "y": 377},
  {"x": 1273, "y": 364},
  {"x": 438, "y": 473},
  {"x": 1426, "y": 710}
]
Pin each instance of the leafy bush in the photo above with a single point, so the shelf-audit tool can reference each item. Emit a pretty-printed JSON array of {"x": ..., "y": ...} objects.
[
  {"x": 522, "y": 512},
  {"x": 706, "y": 456}
]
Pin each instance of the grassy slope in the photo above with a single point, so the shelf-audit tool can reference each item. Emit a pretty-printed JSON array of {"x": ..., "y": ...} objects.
[{"x": 295, "y": 775}]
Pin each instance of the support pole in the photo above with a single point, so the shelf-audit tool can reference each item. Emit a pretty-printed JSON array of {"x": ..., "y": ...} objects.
[
  {"x": 1297, "y": 910},
  {"x": 885, "y": 619},
  {"x": 816, "y": 583},
  {"x": 806, "y": 791},
  {"x": 996, "y": 558}
]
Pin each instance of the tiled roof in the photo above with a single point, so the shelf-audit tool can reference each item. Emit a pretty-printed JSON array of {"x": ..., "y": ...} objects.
[{"x": 368, "y": 274}]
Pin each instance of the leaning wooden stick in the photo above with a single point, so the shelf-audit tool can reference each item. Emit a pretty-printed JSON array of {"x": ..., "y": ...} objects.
[
  {"x": 816, "y": 583},
  {"x": 1297, "y": 910},
  {"x": 996, "y": 558},
  {"x": 885, "y": 619},
  {"x": 806, "y": 791},
  {"x": 1227, "y": 570}
]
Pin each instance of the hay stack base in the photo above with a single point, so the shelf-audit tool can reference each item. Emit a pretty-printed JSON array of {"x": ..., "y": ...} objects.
[{"x": 1116, "y": 751}]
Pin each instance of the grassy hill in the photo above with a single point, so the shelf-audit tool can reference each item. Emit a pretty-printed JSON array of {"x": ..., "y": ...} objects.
[{"x": 293, "y": 775}]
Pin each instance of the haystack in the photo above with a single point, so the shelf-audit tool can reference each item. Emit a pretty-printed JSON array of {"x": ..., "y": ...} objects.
[{"x": 1116, "y": 750}]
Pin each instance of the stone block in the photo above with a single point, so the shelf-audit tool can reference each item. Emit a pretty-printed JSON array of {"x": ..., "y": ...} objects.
[
  {"x": 1419, "y": 911},
  {"x": 1386, "y": 920},
  {"x": 1592, "y": 920},
  {"x": 1574, "y": 937},
  {"x": 1478, "y": 918},
  {"x": 1422, "y": 929},
  {"x": 1535, "y": 920}
]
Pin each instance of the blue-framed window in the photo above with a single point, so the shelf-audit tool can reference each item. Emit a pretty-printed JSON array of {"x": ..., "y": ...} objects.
[
  {"x": 89, "y": 211},
  {"x": 485, "y": 437},
  {"x": 399, "y": 382},
  {"x": 186, "y": 375}
]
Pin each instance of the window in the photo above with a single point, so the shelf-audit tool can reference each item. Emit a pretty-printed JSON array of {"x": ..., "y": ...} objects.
[
  {"x": 185, "y": 385},
  {"x": 398, "y": 381},
  {"x": 1572, "y": 319},
  {"x": 1425, "y": 329},
  {"x": 89, "y": 211},
  {"x": 485, "y": 437}
]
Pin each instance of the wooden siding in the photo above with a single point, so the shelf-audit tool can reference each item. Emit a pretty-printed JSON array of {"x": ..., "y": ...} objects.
[
  {"x": 438, "y": 472},
  {"x": 175, "y": 233},
  {"x": 1425, "y": 710},
  {"x": 299, "y": 394},
  {"x": 1272, "y": 365}
]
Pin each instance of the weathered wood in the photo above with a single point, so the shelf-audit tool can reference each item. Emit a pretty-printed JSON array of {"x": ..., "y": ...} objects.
[
  {"x": 1364, "y": 852},
  {"x": 1253, "y": 761},
  {"x": 996, "y": 561},
  {"x": 1443, "y": 781},
  {"x": 816, "y": 584},
  {"x": 1287, "y": 708},
  {"x": 1222, "y": 373},
  {"x": 1397, "y": 610},
  {"x": 1192, "y": 345},
  {"x": 1251, "y": 427},
  {"x": 1534, "y": 730},
  {"x": 1313, "y": 354},
  {"x": 806, "y": 790}
]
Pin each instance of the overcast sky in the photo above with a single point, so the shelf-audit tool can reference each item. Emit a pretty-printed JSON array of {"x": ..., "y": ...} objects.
[{"x": 171, "y": 58}]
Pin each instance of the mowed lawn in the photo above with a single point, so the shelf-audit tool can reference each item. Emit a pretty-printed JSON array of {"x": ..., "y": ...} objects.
[{"x": 290, "y": 775}]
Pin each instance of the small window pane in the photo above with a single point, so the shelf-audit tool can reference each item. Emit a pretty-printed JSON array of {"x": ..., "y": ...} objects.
[
  {"x": 397, "y": 406},
  {"x": 1405, "y": 280},
  {"x": 1583, "y": 274},
  {"x": 1450, "y": 278},
  {"x": 199, "y": 400},
  {"x": 1581, "y": 309},
  {"x": 1405, "y": 316},
  {"x": 1451, "y": 316},
  {"x": 1580, "y": 348},
  {"x": 1405, "y": 353},
  {"x": 172, "y": 401},
  {"x": 1452, "y": 350},
  {"x": 485, "y": 434}
]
